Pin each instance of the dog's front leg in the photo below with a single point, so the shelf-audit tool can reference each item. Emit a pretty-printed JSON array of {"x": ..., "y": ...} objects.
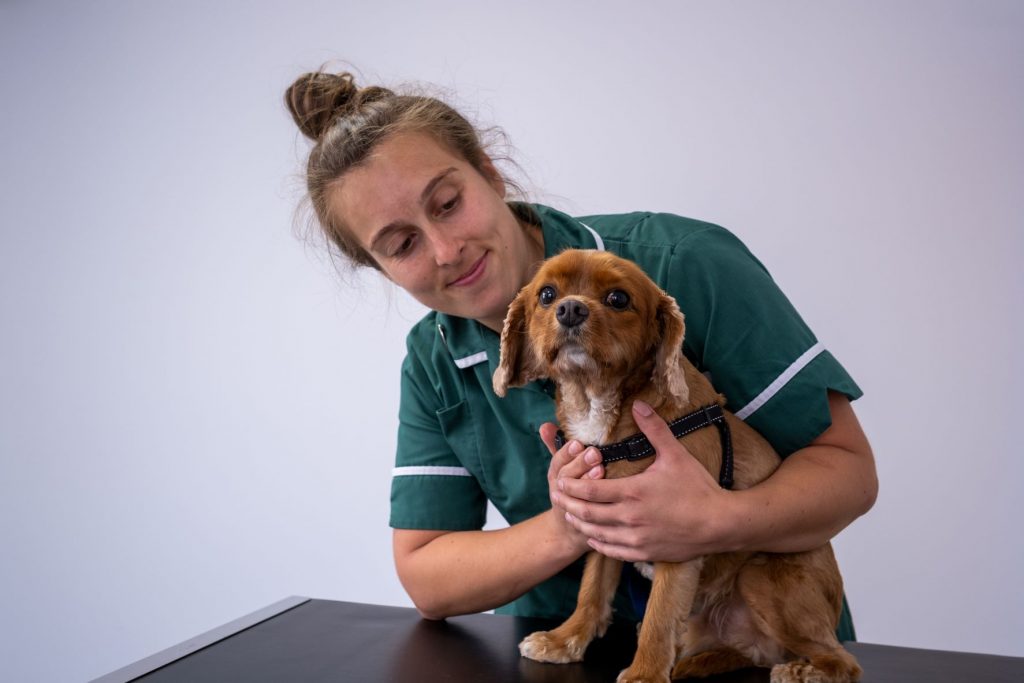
[
  {"x": 568, "y": 642},
  {"x": 672, "y": 595}
]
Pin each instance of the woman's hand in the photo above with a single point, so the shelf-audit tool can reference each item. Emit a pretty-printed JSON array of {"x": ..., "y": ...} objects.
[
  {"x": 566, "y": 462},
  {"x": 668, "y": 512},
  {"x": 675, "y": 511}
]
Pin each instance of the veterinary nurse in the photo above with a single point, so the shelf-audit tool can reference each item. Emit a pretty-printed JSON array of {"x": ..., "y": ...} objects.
[{"x": 402, "y": 184}]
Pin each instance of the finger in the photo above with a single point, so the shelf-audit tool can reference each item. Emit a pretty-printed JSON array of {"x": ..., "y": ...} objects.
[
  {"x": 592, "y": 490},
  {"x": 618, "y": 552},
  {"x": 653, "y": 426},
  {"x": 578, "y": 468},
  {"x": 593, "y": 519},
  {"x": 656, "y": 430},
  {"x": 579, "y": 507},
  {"x": 564, "y": 454},
  {"x": 548, "y": 430},
  {"x": 618, "y": 540},
  {"x": 563, "y": 457},
  {"x": 586, "y": 464}
]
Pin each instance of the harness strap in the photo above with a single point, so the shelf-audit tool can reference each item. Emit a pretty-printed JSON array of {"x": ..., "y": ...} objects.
[{"x": 638, "y": 447}]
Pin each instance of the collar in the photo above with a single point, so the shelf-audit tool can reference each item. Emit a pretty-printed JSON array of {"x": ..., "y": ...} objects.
[{"x": 638, "y": 447}]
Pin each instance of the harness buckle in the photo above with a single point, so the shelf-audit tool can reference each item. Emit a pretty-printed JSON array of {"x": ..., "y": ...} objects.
[{"x": 638, "y": 448}]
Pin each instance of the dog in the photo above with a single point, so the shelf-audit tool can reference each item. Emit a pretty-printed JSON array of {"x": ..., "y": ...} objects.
[{"x": 607, "y": 335}]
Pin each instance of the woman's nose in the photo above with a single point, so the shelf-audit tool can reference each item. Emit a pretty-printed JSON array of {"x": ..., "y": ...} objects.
[{"x": 447, "y": 248}]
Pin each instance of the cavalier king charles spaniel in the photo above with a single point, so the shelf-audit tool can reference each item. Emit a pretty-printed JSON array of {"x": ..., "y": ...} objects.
[{"x": 607, "y": 335}]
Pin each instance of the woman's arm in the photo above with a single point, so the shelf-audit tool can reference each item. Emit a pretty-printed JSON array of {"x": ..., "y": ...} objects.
[
  {"x": 447, "y": 573},
  {"x": 825, "y": 486},
  {"x": 458, "y": 572},
  {"x": 675, "y": 510}
]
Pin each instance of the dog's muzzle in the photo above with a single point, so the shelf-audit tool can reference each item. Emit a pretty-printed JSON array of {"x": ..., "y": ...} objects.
[{"x": 571, "y": 313}]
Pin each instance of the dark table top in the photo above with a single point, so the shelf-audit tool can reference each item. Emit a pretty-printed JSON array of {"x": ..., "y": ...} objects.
[{"x": 323, "y": 640}]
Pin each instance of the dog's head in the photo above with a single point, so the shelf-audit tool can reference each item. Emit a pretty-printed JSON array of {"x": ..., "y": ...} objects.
[{"x": 590, "y": 317}]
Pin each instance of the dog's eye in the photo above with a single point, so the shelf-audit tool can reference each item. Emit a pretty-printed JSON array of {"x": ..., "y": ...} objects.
[
  {"x": 617, "y": 299},
  {"x": 547, "y": 295}
]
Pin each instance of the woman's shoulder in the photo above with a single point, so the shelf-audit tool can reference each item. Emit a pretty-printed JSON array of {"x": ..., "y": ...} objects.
[
  {"x": 423, "y": 329},
  {"x": 441, "y": 345},
  {"x": 421, "y": 340},
  {"x": 649, "y": 228}
]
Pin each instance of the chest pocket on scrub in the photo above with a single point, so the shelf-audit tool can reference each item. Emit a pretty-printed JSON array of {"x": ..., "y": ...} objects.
[{"x": 460, "y": 432}]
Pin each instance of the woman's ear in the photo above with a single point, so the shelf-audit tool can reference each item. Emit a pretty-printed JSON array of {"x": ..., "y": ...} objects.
[
  {"x": 518, "y": 364},
  {"x": 669, "y": 376}
]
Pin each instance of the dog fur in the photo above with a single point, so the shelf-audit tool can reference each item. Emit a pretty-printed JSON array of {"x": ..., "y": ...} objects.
[{"x": 710, "y": 615}]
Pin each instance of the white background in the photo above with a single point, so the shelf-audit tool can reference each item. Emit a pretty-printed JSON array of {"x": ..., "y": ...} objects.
[{"x": 197, "y": 411}]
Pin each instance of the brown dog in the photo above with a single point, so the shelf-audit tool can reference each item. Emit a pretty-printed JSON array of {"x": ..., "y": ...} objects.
[{"x": 608, "y": 336}]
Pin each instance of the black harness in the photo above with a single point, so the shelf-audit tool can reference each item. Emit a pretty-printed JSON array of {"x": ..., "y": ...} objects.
[{"x": 637, "y": 447}]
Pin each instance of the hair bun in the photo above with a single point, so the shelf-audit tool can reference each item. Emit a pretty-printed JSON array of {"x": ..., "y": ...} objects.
[{"x": 315, "y": 100}]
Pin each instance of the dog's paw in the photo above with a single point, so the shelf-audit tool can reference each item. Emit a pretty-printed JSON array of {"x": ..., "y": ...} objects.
[
  {"x": 547, "y": 646},
  {"x": 797, "y": 672},
  {"x": 632, "y": 676}
]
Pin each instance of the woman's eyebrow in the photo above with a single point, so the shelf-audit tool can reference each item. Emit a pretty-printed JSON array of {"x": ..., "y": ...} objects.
[{"x": 424, "y": 196}]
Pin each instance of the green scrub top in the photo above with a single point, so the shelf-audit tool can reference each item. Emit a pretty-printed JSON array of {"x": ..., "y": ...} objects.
[{"x": 460, "y": 445}]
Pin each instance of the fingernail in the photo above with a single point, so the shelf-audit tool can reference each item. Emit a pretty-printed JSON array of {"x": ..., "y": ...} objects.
[
  {"x": 561, "y": 484},
  {"x": 642, "y": 408},
  {"x": 595, "y": 473},
  {"x": 575, "y": 447},
  {"x": 592, "y": 457}
]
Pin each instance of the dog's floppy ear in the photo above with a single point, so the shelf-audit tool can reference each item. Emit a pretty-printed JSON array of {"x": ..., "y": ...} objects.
[
  {"x": 518, "y": 364},
  {"x": 669, "y": 375}
]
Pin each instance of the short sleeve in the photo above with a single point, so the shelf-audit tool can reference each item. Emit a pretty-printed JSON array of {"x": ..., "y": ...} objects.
[
  {"x": 430, "y": 487},
  {"x": 744, "y": 332}
]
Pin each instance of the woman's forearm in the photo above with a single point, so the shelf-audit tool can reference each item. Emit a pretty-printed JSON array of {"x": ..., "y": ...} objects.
[
  {"x": 815, "y": 493},
  {"x": 459, "y": 572}
]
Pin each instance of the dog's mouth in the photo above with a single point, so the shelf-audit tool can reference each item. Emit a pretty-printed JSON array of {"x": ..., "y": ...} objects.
[
  {"x": 570, "y": 356},
  {"x": 567, "y": 339},
  {"x": 571, "y": 335}
]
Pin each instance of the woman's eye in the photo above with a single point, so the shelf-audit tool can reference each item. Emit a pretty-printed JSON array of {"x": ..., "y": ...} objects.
[
  {"x": 449, "y": 205},
  {"x": 617, "y": 299},
  {"x": 403, "y": 247},
  {"x": 547, "y": 296}
]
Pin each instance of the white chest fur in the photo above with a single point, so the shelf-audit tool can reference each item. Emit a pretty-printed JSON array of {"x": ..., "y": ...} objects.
[
  {"x": 591, "y": 418},
  {"x": 646, "y": 570}
]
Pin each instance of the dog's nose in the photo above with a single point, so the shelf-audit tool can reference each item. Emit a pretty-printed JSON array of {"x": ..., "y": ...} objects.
[{"x": 571, "y": 313}]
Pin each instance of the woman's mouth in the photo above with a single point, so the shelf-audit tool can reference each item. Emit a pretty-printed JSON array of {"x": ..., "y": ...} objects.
[{"x": 472, "y": 275}]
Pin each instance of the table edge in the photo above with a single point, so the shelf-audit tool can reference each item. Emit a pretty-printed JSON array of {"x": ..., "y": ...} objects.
[{"x": 184, "y": 649}]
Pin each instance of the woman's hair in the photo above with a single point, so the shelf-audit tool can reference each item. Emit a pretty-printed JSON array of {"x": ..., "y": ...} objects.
[{"x": 347, "y": 122}]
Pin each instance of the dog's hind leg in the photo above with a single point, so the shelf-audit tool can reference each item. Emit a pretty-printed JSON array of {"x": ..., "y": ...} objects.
[
  {"x": 672, "y": 595},
  {"x": 568, "y": 642},
  {"x": 794, "y": 601}
]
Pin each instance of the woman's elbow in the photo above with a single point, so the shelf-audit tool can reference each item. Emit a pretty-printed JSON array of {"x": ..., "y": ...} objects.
[
  {"x": 414, "y": 573},
  {"x": 428, "y": 608},
  {"x": 866, "y": 481},
  {"x": 431, "y": 616},
  {"x": 426, "y": 601},
  {"x": 869, "y": 492}
]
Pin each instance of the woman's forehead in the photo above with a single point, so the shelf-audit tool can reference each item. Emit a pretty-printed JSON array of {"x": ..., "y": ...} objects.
[{"x": 392, "y": 183}]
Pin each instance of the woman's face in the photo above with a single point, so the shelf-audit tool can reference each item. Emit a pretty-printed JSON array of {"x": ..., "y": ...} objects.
[{"x": 438, "y": 228}]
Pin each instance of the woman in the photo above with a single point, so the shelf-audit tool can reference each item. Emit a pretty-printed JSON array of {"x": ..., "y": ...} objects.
[{"x": 403, "y": 185}]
